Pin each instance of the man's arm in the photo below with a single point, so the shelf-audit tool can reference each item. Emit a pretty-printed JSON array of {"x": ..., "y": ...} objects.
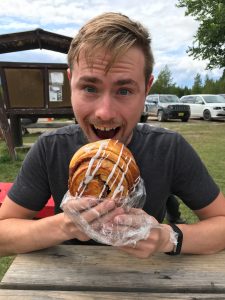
[
  {"x": 206, "y": 236},
  {"x": 19, "y": 233},
  {"x": 203, "y": 237}
]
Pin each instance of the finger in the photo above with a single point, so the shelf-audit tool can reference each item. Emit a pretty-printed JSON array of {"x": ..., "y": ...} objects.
[
  {"x": 135, "y": 221},
  {"x": 138, "y": 244},
  {"x": 136, "y": 211},
  {"x": 132, "y": 245},
  {"x": 98, "y": 211},
  {"x": 121, "y": 234},
  {"x": 107, "y": 218},
  {"x": 132, "y": 251},
  {"x": 82, "y": 203}
]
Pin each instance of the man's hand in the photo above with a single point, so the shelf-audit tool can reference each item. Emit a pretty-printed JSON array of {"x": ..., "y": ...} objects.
[
  {"x": 158, "y": 239},
  {"x": 89, "y": 211}
]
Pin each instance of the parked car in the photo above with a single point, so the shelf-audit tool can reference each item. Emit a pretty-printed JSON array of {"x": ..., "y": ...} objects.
[
  {"x": 166, "y": 107},
  {"x": 145, "y": 114},
  {"x": 27, "y": 121},
  {"x": 206, "y": 106}
]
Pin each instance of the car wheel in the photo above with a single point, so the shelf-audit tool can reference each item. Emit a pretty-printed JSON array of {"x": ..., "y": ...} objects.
[
  {"x": 185, "y": 119},
  {"x": 161, "y": 116},
  {"x": 24, "y": 130},
  {"x": 207, "y": 115},
  {"x": 143, "y": 119}
]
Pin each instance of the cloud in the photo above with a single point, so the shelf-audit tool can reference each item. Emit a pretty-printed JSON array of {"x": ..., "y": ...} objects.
[
  {"x": 171, "y": 31},
  {"x": 183, "y": 68},
  {"x": 38, "y": 56}
]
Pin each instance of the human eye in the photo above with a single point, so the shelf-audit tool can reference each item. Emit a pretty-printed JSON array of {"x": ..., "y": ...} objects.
[
  {"x": 124, "y": 92},
  {"x": 90, "y": 89}
]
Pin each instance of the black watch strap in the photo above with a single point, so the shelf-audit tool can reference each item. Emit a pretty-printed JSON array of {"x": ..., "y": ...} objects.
[{"x": 177, "y": 248}]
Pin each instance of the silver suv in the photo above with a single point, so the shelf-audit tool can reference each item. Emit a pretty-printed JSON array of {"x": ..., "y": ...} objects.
[
  {"x": 166, "y": 107},
  {"x": 145, "y": 114}
]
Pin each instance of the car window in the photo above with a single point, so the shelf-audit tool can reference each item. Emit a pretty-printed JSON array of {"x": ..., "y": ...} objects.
[
  {"x": 213, "y": 99},
  {"x": 151, "y": 99},
  {"x": 168, "y": 98},
  {"x": 148, "y": 99},
  {"x": 199, "y": 100},
  {"x": 188, "y": 99}
]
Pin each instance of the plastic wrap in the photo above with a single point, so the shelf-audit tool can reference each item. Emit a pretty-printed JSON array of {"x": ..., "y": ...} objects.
[
  {"x": 106, "y": 194},
  {"x": 111, "y": 232}
]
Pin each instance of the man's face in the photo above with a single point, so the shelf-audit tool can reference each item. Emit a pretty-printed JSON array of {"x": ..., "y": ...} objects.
[{"x": 109, "y": 105}]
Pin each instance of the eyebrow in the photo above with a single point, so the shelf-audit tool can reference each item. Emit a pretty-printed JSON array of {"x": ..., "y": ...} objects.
[
  {"x": 120, "y": 82},
  {"x": 91, "y": 79},
  {"x": 126, "y": 81}
]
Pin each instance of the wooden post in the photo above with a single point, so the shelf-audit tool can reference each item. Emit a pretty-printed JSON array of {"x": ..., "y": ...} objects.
[
  {"x": 6, "y": 130},
  {"x": 16, "y": 130}
]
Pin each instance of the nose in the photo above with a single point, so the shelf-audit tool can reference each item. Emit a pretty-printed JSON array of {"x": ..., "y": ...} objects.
[{"x": 106, "y": 108}]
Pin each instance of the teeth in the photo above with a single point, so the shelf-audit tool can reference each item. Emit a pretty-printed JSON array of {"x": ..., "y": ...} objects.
[{"x": 104, "y": 128}]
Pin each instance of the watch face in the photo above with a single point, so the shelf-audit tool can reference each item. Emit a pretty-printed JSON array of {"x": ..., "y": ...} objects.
[{"x": 179, "y": 238}]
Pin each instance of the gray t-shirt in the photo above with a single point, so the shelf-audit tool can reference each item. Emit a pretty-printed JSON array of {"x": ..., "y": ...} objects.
[{"x": 168, "y": 165}]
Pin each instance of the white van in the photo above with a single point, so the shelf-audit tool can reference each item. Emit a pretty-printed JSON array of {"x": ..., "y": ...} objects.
[{"x": 206, "y": 106}]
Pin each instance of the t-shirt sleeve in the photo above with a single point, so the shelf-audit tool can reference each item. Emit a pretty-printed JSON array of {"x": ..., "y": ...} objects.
[
  {"x": 192, "y": 181},
  {"x": 31, "y": 188}
]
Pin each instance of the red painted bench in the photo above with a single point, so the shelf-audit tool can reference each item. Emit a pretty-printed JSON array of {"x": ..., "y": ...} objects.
[{"x": 48, "y": 210}]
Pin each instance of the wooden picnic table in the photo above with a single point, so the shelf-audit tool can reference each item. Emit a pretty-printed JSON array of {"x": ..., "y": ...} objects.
[{"x": 103, "y": 272}]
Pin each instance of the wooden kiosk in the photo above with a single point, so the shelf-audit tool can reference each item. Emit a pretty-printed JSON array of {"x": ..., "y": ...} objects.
[{"x": 32, "y": 89}]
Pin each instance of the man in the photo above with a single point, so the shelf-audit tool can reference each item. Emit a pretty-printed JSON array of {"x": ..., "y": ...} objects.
[{"x": 110, "y": 67}]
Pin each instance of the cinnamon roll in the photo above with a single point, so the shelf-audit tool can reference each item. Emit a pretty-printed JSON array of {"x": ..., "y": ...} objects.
[{"x": 102, "y": 169}]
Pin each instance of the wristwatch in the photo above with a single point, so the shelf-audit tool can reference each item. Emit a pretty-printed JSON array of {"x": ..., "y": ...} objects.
[{"x": 177, "y": 248}]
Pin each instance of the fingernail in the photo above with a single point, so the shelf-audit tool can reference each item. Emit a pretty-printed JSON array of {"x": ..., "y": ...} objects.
[
  {"x": 110, "y": 204},
  {"x": 118, "y": 220},
  {"x": 119, "y": 210}
]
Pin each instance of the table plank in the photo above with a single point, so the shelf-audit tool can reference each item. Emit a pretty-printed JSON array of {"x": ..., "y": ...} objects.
[
  {"x": 73, "y": 295},
  {"x": 102, "y": 268}
]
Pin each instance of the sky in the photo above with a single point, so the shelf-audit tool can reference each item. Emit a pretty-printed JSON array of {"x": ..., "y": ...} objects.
[{"x": 171, "y": 31}]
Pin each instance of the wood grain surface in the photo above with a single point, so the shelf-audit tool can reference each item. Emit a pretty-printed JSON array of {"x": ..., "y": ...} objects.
[{"x": 102, "y": 268}]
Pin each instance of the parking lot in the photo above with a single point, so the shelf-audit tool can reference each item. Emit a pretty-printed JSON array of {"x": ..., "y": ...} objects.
[{"x": 153, "y": 120}]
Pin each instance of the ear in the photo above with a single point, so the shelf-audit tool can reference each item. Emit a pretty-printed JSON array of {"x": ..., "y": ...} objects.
[
  {"x": 149, "y": 84},
  {"x": 69, "y": 74}
]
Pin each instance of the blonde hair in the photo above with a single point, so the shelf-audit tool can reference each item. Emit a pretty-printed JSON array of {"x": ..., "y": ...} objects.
[{"x": 115, "y": 33}]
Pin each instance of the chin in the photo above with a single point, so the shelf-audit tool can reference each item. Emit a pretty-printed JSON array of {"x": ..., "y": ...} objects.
[{"x": 124, "y": 139}]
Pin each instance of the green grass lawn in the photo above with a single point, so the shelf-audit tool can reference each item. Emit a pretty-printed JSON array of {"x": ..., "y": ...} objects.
[
  {"x": 207, "y": 138},
  {"x": 4, "y": 264},
  {"x": 8, "y": 171},
  {"x": 10, "y": 168}
]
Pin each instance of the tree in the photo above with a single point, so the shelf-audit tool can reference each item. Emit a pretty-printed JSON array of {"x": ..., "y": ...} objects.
[
  {"x": 164, "y": 82},
  {"x": 223, "y": 75},
  {"x": 209, "y": 41},
  {"x": 197, "y": 86},
  {"x": 221, "y": 84},
  {"x": 210, "y": 86},
  {"x": 186, "y": 91}
]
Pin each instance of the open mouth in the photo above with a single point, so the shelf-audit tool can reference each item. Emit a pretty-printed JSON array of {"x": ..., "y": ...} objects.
[{"x": 104, "y": 132}]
